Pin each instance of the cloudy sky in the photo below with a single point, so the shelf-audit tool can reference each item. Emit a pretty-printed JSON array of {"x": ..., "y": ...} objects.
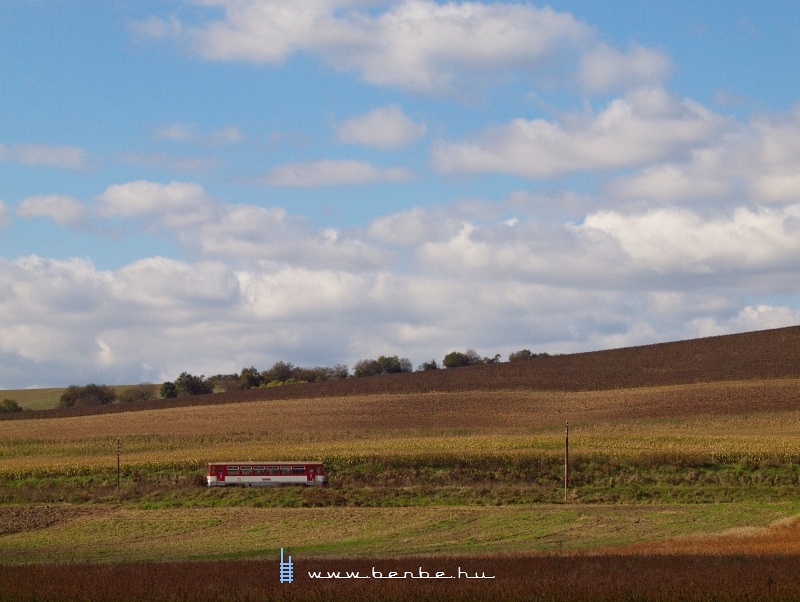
[{"x": 212, "y": 184}]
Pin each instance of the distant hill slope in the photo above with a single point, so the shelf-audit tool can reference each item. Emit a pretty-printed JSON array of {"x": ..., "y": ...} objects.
[{"x": 764, "y": 354}]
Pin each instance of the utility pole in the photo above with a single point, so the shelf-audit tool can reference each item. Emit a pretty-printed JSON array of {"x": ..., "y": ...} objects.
[
  {"x": 566, "y": 461},
  {"x": 118, "y": 489}
]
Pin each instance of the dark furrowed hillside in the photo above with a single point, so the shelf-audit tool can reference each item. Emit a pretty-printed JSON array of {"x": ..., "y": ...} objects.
[{"x": 765, "y": 354}]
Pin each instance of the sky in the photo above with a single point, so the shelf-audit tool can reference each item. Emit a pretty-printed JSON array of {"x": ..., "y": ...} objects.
[{"x": 207, "y": 185}]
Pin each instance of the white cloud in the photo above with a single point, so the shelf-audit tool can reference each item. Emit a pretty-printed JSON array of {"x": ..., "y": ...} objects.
[
  {"x": 749, "y": 318},
  {"x": 414, "y": 44},
  {"x": 646, "y": 125},
  {"x": 187, "y": 132},
  {"x": 64, "y": 210},
  {"x": 257, "y": 233},
  {"x": 415, "y": 226},
  {"x": 757, "y": 161},
  {"x": 47, "y": 155},
  {"x": 384, "y": 128},
  {"x": 333, "y": 172},
  {"x": 206, "y": 227},
  {"x": 679, "y": 240},
  {"x": 425, "y": 46},
  {"x": 175, "y": 286},
  {"x": 604, "y": 68},
  {"x": 268, "y": 287},
  {"x": 177, "y": 202},
  {"x": 702, "y": 179}
]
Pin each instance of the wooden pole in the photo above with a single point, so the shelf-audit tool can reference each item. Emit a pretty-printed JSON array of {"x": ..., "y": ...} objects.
[
  {"x": 566, "y": 461},
  {"x": 118, "y": 490}
]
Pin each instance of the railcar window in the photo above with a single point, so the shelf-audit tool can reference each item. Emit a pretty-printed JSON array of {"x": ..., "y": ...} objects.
[
  {"x": 246, "y": 469},
  {"x": 258, "y": 470},
  {"x": 286, "y": 470},
  {"x": 299, "y": 469},
  {"x": 273, "y": 469},
  {"x": 233, "y": 470}
]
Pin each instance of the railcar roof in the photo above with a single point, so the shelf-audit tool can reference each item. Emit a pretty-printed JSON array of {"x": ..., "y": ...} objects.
[{"x": 270, "y": 462}]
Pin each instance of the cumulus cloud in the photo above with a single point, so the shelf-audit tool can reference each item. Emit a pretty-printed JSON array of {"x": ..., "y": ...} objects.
[
  {"x": 605, "y": 68},
  {"x": 678, "y": 240},
  {"x": 176, "y": 203},
  {"x": 206, "y": 227},
  {"x": 646, "y": 125},
  {"x": 755, "y": 161},
  {"x": 64, "y": 210},
  {"x": 47, "y": 155},
  {"x": 266, "y": 286},
  {"x": 268, "y": 234},
  {"x": 414, "y": 226},
  {"x": 384, "y": 128},
  {"x": 413, "y": 44},
  {"x": 333, "y": 172}
]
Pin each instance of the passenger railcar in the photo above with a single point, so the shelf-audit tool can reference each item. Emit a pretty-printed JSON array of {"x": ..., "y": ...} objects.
[{"x": 264, "y": 474}]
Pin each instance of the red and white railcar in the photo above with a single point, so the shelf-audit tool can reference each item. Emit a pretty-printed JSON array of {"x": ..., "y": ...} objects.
[{"x": 264, "y": 474}]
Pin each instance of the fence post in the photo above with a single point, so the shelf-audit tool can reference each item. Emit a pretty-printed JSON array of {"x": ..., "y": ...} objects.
[{"x": 566, "y": 461}]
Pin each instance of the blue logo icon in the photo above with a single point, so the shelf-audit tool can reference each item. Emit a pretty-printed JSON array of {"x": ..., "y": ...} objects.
[{"x": 287, "y": 569}]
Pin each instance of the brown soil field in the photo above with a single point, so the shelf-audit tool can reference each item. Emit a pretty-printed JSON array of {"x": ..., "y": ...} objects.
[
  {"x": 477, "y": 411},
  {"x": 511, "y": 578},
  {"x": 767, "y": 354}
]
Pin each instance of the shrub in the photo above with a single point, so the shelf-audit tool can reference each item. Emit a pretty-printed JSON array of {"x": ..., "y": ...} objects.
[
  {"x": 455, "y": 359},
  {"x": 9, "y": 405},
  {"x": 87, "y": 395},
  {"x": 168, "y": 390},
  {"x": 189, "y": 384},
  {"x": 425, "y": 366},
  {"x": 366, "y": 368}
]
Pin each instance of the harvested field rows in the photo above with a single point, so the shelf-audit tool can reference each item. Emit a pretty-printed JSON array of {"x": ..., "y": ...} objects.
[
  {"x": 719, "y": 421},
  {"x": 485, "y": 410}
]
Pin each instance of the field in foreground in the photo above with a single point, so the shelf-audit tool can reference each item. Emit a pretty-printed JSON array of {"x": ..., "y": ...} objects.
[{"x": 496, "y": 578}]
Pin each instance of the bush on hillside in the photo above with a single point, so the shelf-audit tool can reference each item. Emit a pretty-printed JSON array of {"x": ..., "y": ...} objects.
[
  {"x": 87, "y": 395},
  {"x": 9, "y": 405}
]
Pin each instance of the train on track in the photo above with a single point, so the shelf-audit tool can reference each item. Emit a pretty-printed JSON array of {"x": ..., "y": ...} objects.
[{"x": 265, "y": 474}]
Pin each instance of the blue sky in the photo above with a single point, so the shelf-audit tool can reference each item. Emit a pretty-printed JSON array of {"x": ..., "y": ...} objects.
[{"x": 209, "y": 185}]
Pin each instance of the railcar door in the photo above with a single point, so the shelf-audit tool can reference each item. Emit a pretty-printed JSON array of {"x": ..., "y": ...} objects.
[
  {"x": 310, "y": 473},
  {"x": 220, "y": 474}
]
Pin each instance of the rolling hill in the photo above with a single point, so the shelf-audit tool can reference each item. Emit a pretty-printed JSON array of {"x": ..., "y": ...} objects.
[{"x": 759, "y": 355}]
